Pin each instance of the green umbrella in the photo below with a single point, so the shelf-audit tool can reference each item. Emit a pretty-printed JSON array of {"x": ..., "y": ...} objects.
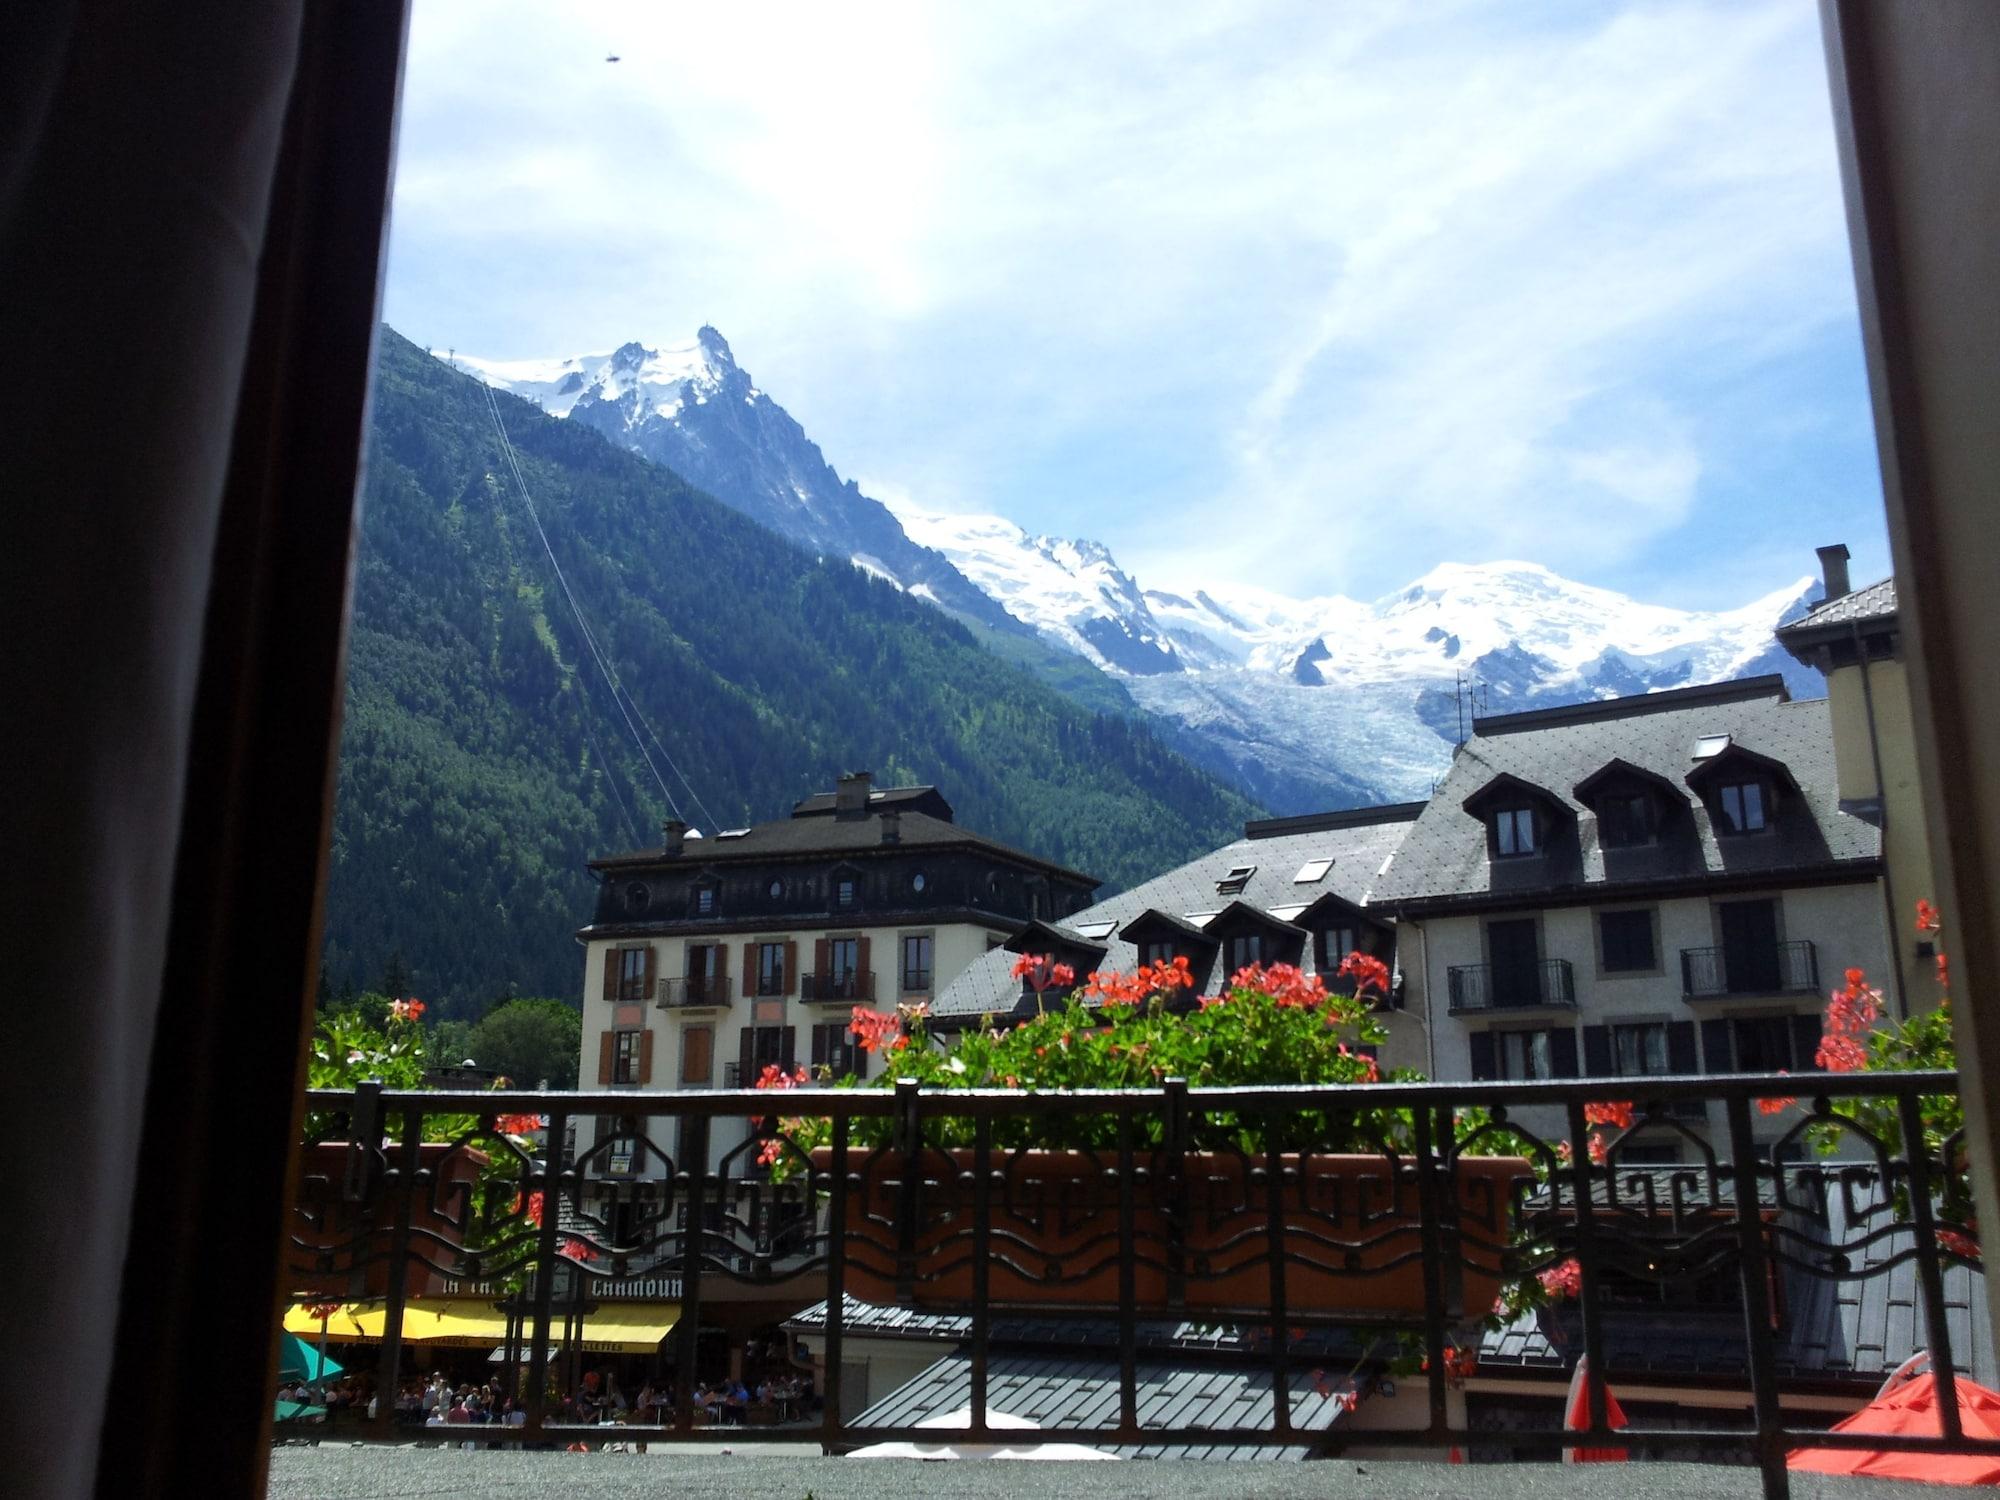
[
  {"x": 298, "y": 1411},
  {"x": 298, "y": 1360}
]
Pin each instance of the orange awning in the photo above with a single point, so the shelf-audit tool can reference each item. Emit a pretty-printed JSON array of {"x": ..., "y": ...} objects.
[{"x": 1912, "y": 1409}]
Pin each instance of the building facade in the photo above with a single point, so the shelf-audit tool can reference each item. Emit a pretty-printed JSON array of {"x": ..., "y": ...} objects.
[
  {"x": 1854, "y": 637},
  {"x": 710, "y": 959},
  {"x": 1662, "y": 884}
]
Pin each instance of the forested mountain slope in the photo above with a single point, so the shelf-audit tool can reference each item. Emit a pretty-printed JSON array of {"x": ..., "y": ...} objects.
[{"x": 483, "y": 760}]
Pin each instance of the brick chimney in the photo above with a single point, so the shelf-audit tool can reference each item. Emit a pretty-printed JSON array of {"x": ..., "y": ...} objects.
[
  {"x": 676, "y": 834},
  {"x": 850, "y": 794},
  {"x": 1833, "y": 569}
]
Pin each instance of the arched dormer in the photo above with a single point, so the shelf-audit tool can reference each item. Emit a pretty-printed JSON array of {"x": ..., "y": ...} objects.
[
  {"x": 1631, "y": 804},
  {"x": 1161, "y": 937},
  {"x": 1743, "y": 790},
  {"x": 1520, "y": 817},
  {"x": 1338, "y": 927}
]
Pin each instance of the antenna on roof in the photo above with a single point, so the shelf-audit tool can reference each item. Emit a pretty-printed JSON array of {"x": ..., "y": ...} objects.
[{"x": 1469, "y": 698}]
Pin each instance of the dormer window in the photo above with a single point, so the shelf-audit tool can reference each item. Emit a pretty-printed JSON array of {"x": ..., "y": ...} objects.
[
  {"x": 1237, "y": 878},
  {"x": 1513, "y": 831},
  {"x": 1743, "y": 806},
  {"x": 843, "y": 893},
  {"x": 1158, "y": 951},
  {"x": 704, "y": 900},
  {"x": 1625, "y": 820}
]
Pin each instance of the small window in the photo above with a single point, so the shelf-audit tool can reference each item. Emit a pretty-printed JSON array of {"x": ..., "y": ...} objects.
[
  {"x": 1235, "y": 880},
  {"x": 1311, "y": 871},
  {"x": 770, "y": 968},
  {"x": 1743, "y": 806},
  {"x": 625, "y": 1057},
  {"x": 1768, "y": 1044},
  {"x": 697, "y": 1054},
  {"x": 775, "y": 890},
  {"x": 843, "y": 961},
  {"x": 1514, "y": 831},
  {"x": 632, "y": 974},
  {"x": 843, "y": 893},
  {"x": 1710, "y": 745},
  {"x": 704, "y": 901},
  {"x": 1625, "y": 942},
  {"x": 1160, "y": 951},
  {"x": 918, "y": 881},
  {"x": 637, "y": 895},
  {"x": 1525, "y": 1056},
  {"x": 1244, "y": 950},
  {"x": 1640, "y": 1051},
  {"x": 1334, "y": 945},
  {"x": 917, "y": 963},
  {"x": 1625, "y": 821}
]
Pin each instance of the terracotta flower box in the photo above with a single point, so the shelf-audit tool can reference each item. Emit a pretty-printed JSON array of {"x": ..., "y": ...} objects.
[
  {"x": 1351, "y": 1232},
  {"x": 341, "y": 1249}
]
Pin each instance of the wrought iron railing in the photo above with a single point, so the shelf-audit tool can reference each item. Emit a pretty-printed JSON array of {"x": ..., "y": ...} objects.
[
  {"x": 1771, "y": 969},
  {"x": 1301, "y": 1211},
  {"x": 854, "y": 984},
  {"x": 696, "y": 989},
  {"x": 1546, "y": 982}
]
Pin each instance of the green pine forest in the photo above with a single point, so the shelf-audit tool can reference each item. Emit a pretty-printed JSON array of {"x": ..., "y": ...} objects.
[{"x": 483, "y": 760}]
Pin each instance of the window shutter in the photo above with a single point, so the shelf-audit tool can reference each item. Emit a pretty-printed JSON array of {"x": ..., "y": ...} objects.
[
  {"x": 746, "y": 1042},
  {"x": 1806, "y": 1034},
  {"x": 749, "y": 968},
  {"x": 611, "y": 973},
  {"x": 819, "y": 957},
  {"x": 1562, "y": 1052},
  {"x": 1482, "y": 1055},
  {"x": 697, "y": 1052},
  {"x": 605, "y": 1043},
  {"x": 862, "y": 990},
  {"x": 1717, "y": 1054},
  {"x": 787, "y": 1048},
  {"x": 651, "y": 955},
  {"x": 1597, "y": 1059},
  {"x": 645, "y": 1057},
  {"x": 722, "y": 962},
  {"x": 1680, "y": 1048},
  {"x": 791, "y": 984}
]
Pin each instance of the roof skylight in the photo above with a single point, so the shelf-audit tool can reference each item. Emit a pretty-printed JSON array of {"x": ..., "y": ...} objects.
[
  {"x": 1710, "y": 745},
  {"x": 1235, "y": 880},
  {"x": 1312, "y": 870}
]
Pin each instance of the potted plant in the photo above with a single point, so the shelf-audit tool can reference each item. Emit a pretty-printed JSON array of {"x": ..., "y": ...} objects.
[{"x": 1201, "y": 1190}]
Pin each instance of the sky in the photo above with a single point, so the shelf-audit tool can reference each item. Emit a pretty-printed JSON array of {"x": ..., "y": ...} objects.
[{"x": 1307, "y": 296}]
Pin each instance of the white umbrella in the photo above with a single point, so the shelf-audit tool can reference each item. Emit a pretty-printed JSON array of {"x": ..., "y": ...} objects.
[{"x": 962, "y": 1420}]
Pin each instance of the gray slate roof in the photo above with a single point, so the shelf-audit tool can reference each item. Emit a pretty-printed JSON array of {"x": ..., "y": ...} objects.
[
  {"x": 1065, "y": 1392},
  {"x": 1833, "y": 1330},
  {"x": 1444, "y": 859},
  {"x": 1358, "y": 842},
  {"x": 1875, "y": 602}
]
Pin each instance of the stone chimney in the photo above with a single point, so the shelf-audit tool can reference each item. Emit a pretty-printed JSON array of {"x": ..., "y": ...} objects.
[
  {"x": 850, "y": 794},
  {"x": 892, "y": 826},
  {"x": 676, "y": 833},
  {"x": 1833, "y": 568}
]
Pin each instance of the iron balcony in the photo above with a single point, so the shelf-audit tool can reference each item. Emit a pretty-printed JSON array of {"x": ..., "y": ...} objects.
[
  {"x": 1765, "y": 969},
  {"x": 857, "y": 985},
  {"x": 1486, "y": 987}
]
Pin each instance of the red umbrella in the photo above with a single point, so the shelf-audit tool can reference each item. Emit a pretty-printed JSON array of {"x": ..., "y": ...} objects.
[
  {"x": 1576, "y": 1418},
  {"x": 1908, "y": 1404}
]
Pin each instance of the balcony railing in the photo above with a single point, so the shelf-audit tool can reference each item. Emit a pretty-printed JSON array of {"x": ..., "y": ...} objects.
[
  {"x": 696, "y": 989},
  {"x": 1302, "y": 1210},
  {"x": 1768, "y": 969},
  {"x": 854, "y": 985},
  {"x": 1481, "y": 987}
]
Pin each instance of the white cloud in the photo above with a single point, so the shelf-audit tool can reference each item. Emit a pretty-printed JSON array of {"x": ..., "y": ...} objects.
[{"x": 1449, "y": 281}]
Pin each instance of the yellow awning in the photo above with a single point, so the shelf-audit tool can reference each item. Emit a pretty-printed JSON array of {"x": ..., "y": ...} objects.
[{"x": 467, "y": 1323}]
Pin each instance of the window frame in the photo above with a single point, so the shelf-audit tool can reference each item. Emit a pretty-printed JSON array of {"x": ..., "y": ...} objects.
[
  {"x": 1731, "y": 825},
  {"x": 765, "y": 952},
  {"x": 1636, "y": 828},
  {"x": 627, "y": 1043},
  {"x": 1504, "y": 1054},
  {"x": 1656, "y": 962},
  {"x": 1511, "y": 821},
  {"x": 928, "y": 940},
  {"x": 632, "y": 965}
]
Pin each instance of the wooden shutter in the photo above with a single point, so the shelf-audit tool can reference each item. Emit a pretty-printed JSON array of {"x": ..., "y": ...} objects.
[
  {"x": 646, "y": 985},
  {"x": 750, "y": 968},
  {"x": 722, "y": 962},
  {"x": 1483, "y": 1060},
  {"x": 788, "y": 1042},
  {"x": 605, "y": 1042},
  {"x": 1597, "y": 1059},
  {"x": 862, "y": 988},
  {"x": 1680, "y": 1048},
  {"x": 746, "y": 1041},
  {"x": 820, "y": 946},
  {"x": 645, "y": 1057},
  {"x": 1562, "y": 1052},
  {"x": 1806, "y": 1034},
  {"x": 791, "y": 977},
  {"x": 1718, "y": 1056},
  {"x": 611, "y": 973},
  {"x": 697, "y": 1054}
]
